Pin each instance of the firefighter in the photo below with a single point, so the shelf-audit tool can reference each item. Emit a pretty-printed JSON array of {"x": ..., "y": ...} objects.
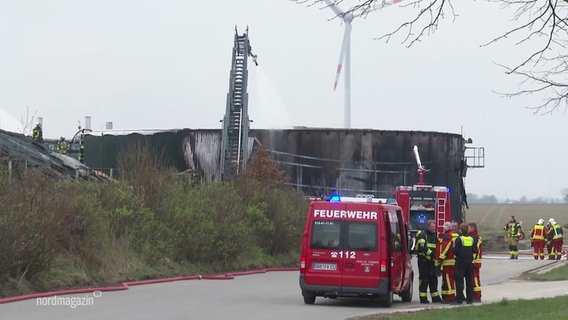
[
  {"x": 538, "y": 236},
  {"x": 465, "y": 247},
  {"x": 557, "y": 238},
  {"x": 37, "y": 133},
  {"x": 513, "y": 229},
  {"x": 445, "y": 260},
  {"x": 472, "y": 229},
  {"x": 62, "y": 146},
  {"x": 548, "y": 233},
  {"x": 82, "y": 146},
  {"x": 426, "y": 243},
  {"x": 455, "y": 226}
]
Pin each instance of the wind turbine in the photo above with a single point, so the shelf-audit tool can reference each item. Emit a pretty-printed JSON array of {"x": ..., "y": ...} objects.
[{"x": 345, "y": 53}]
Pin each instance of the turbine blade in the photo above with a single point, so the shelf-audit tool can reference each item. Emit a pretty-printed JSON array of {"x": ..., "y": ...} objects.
[
  {"x": 337, "y": 76},
  {"x": 342, "y": 53}
]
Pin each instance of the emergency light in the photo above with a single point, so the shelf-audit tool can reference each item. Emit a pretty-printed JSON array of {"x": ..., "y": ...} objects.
[
  {"x": 392, "y": 201},
  {"x": 335, "y": 198}
]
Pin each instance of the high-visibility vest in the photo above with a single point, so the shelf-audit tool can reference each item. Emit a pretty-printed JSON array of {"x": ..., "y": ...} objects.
[
  {"x": 477, "y": 255},
  {"x": 62, "y": 147},
  {"x": 537, "y": 232},
  {"x": 466, "y": 241},
  {"x": 37, "y": 134},
  {"x": 558, "y": 234},
  {"x": 513, "y": 229},
  {"x": 426, "y": 245},
  {"x": 446, "y": 249}
]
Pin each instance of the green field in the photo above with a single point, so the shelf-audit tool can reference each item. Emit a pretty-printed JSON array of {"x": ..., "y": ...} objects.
[
  {"x": 491, "y": 218},
  {"x": 494, "y": 216}
]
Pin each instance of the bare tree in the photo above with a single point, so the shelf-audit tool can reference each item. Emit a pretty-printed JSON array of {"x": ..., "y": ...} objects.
[
  {"x": 545, "y": 22},
  {"x": 28, "y": 121},
  {"x": 430, "y": 14}
]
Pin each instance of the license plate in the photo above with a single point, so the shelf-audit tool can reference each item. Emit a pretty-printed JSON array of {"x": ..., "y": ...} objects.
[{"x": 325, "y": 266}]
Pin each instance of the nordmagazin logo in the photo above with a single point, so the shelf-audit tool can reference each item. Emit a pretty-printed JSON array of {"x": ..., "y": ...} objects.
[{"x": 67, "y": 301}]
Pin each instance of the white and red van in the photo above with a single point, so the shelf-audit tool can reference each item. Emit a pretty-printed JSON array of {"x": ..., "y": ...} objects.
[{"x": 356, "y": 247}]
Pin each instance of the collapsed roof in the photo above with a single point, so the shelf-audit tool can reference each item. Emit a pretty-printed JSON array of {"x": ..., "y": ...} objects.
[{"x": 21, "y": 148}]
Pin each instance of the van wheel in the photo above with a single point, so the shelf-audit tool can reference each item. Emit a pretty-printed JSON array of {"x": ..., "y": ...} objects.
[
  {"x": 406, "y": 295},
  {"x": 309, "y": 297},
  {"x": 386, "y": 300}
]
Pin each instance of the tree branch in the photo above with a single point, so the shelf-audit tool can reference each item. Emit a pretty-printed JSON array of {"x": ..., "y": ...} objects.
[{"x": 542, "y": 21}]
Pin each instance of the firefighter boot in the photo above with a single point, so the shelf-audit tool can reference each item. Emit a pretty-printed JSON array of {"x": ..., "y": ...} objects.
[
  {"x": 423, "y": 296},
  {"x": 437, "y": 299}
]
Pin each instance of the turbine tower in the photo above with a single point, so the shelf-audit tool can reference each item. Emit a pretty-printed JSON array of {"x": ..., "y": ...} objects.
[{"x": 345, "y": 53}]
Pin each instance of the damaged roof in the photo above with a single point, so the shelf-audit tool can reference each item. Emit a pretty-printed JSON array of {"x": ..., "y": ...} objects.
[{"x": 15, "y": 146}]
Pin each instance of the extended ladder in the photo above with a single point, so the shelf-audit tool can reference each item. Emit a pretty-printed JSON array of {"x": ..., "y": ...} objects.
[{"x": 236, "y": 121}]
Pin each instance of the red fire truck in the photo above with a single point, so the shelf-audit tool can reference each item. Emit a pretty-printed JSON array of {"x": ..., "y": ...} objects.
[{"x": 424, "y": 202}]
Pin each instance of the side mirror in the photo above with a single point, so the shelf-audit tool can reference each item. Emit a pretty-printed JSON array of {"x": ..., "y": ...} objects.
[{"x": 411, "y": 241}]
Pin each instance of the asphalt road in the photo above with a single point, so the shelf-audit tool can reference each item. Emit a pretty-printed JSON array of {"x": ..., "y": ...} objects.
[{"x": 273, "y": 295}]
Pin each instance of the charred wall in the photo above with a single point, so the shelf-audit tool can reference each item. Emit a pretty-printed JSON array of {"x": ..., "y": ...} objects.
[
  {"x": 366, "y": 161},
  {"x": 317, "y": 160}
]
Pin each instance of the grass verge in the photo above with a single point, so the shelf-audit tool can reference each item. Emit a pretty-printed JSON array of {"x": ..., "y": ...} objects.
[
  {"x": 557, "y": 273},
  {"x": 551, "y": 308}
]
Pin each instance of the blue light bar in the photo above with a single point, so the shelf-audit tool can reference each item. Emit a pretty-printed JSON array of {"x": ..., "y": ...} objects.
[
  {"x": 335, "y": 198},
  {"x": 392, "y": 201}
]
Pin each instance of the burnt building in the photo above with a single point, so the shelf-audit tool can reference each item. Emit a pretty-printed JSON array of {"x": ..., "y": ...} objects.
[{"x": 318, "y": 161}]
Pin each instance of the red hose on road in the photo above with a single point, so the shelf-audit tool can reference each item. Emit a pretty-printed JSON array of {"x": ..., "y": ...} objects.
[{"x": 125, "y": 285}]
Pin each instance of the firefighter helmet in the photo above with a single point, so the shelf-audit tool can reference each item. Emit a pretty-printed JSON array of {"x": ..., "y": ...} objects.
[
  {"x": 552, "y": 221},
  {"x": 540, "y": 221}
]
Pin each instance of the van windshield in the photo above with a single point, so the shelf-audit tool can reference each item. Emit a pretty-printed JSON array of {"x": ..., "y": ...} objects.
[{"x": 361, "y": 236}]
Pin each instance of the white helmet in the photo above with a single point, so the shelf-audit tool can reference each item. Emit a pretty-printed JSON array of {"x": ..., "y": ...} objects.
[
  {"x": 551, "y": 221},
  {"x": 540, "y": 221}
]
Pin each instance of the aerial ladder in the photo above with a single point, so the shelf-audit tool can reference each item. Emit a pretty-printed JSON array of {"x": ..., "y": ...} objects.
[{"x": 236, "y": 121}]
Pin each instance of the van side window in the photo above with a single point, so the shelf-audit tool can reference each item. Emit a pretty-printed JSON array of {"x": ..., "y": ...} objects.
[
  {"x": 396, "y": 238},
  {"x": 326, "y": 235},
  {"x": 362, "y": 236},
  {"x": 405, "y": 234}
]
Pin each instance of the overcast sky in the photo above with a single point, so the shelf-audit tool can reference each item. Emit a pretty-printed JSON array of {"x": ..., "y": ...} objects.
[{"x": 165, "y": 64}]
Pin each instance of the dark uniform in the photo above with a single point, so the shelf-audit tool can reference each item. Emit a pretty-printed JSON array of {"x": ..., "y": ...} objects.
[
  {"x": 62, "y": 146},
  {"x": 513, "y": 229},
  {"x": 426, "y": 243},
  {"x": 464, "y": 249},
  {"x": 82, "y": 146},
  {"x": 37, "y": 133}
]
